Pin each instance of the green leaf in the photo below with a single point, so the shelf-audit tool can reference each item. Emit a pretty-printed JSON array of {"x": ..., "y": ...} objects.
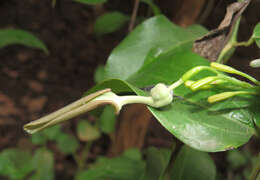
[
  {"x": 195, "y": 124},
  {"x": 156, "y": 163},
  {"x": 39, "y": 139},
  {"x": 21, "y": 37},
  {"x": 43, "y": 161},
  {"x": 197, "y": 30},
  {"x": 109, "y": 22},
  {"x": 156, "y": 35},
  {"x": 91, "y": 2},
  {"x": 53, "y": 133},
  {"x": 193, "y": 165},
  {"x": 107, "y": 120},
  {"x": 191, "y": 119},
  {"x": 99, "y": 75},
  {"x": 206, "y": 130},
  {"x": 87, "y": 132},
  {"x": 256, "y": 34},
  {"x": 118, "y": 168},
  {"x": 236, "y": 159},
  {"x": 133, "y": 153},
  {"x": 67, "y": 144},
  {"x": 254, "y": 108},
  {"x": 15, "y": 163}
]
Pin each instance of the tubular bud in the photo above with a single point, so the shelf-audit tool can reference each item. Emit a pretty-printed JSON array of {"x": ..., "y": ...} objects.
[
  {"x": 225, "y": 95},
  {"x": 223, "y": 68},
  {"x": 202, "y": 82},
  {"x": 188, "y": 83},
  {"x": 255, "y": 63}
]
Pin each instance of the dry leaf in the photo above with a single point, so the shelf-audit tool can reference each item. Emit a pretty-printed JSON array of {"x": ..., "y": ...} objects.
[{"x": 211, "y": 44}]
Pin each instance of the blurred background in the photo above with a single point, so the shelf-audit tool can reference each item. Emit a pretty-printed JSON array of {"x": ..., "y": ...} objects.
[{"x": 34, "y": 83}]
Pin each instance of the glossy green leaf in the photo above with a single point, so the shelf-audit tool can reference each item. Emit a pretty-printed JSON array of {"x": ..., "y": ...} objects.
[
  {"x": 256, "y": 34},
  {"x": 67, "y": 144},
  {"x": 156, "y": 163},
  {"x": 197, "y": 30},
  {"x": 255, "y": 109},
  {"x": 197, "y": 125},
  {"x": 43, "y": 162},
  {"x": 203, "y": 126},
  {"x": 91, "y": 2},
  {"x": 193, "y": 165},
  {"x": 109, "y": 22},
  {"x": 87, "y": 132},
  {"x": 206, "y": 130},
  {"x": 107, "y": 120},
  {"x": 207, "y": 127},
  {"x": 21, "y": 37},
  {"x": 15, "y": 163},
  {"x": 118, "y": 168},
  {"x": 155, "y": 36}
]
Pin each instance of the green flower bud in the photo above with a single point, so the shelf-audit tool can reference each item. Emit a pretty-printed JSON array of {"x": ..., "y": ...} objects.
[
  {"x": 161, "y": 95},
  {"x": 255, "y": 63},
  {"x": 225, "y": 95},
  {"x": 202, "y": 82},
  {"x": 223, "y": 68}
]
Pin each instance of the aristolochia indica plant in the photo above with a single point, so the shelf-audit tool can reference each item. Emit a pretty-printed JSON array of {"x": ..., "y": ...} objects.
[{"x": 160, "y": 95}]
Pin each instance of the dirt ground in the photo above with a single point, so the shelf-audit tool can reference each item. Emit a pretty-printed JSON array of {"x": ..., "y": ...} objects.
[{"x": 34, "y": 84}]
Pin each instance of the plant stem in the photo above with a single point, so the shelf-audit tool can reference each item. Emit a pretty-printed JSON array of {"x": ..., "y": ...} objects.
[
  {"x": 244, "y": 43},
  {"x": 196, "y": 70},
  {"x": 84, "y": 155},
  {"x": 136, "y": 99},
  {"x": 133, "y": 17},
  {"x": 228, "y": 69},
  {"x": 236, "y": 81},
  {"x": 230, "y": 44},
  {"x": 175, "y": 84}
]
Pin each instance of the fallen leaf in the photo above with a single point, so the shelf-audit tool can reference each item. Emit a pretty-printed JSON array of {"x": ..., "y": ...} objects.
[{"x": 212, "y": 43}]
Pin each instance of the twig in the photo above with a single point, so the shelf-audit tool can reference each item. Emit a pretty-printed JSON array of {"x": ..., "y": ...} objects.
[{"x": 133, "y": 17}]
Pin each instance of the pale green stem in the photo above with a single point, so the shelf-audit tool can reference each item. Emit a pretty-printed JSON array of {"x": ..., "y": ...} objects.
[
  {"x": 236, "y": 81},
  {"x": 137, "y": 99},
  {"x": 244, "y": 43},
  {"x": 175, "y": 84},
  {"x": 196, "y": 70},
  {"x": 228, "y": 69},
  {"x": 248, "y": 77},
  {"x": 230, "y": 44}
]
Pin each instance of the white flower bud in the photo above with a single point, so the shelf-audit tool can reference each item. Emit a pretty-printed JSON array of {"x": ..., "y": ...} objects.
[{"x": 161, "y": 95}]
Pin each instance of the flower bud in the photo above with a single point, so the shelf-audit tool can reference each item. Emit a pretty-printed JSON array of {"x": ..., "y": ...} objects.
[{"x": 161, "y": 95}]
